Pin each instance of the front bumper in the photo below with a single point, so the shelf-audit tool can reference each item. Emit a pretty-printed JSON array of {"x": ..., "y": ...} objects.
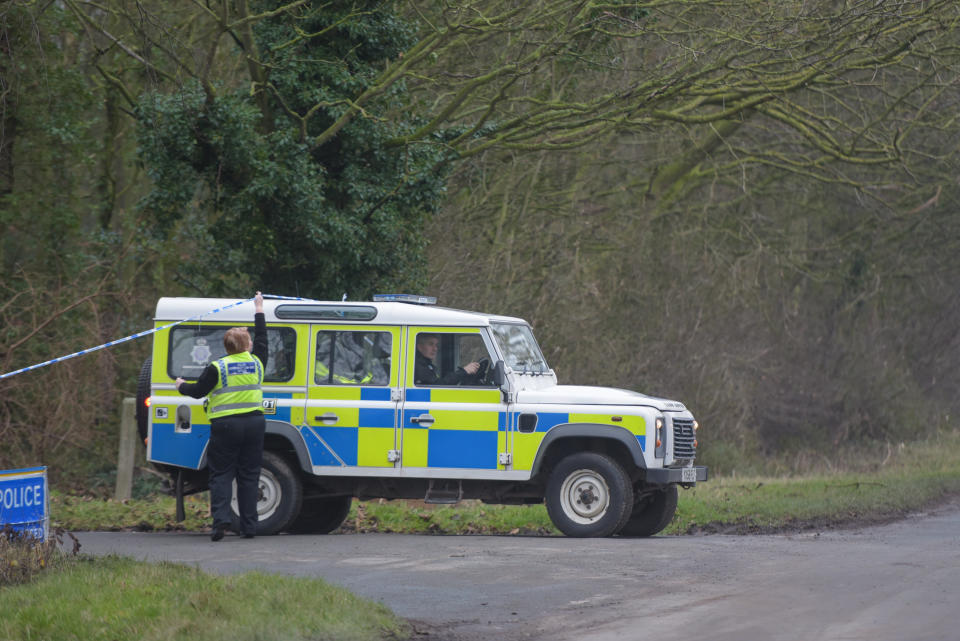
[{"x": 666, "y": 475}]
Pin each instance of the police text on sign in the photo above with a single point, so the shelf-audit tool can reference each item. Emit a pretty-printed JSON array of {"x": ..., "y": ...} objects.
[{"x": 23, "y": 500}]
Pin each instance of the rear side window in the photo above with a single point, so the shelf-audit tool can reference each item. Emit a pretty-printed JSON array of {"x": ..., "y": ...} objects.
[
  {"x": 193, "y": 348},
  {"x": 353, "y": 358}
]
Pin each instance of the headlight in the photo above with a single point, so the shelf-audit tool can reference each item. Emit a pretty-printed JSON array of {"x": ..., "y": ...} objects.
[{"x": 660, "y": 450}]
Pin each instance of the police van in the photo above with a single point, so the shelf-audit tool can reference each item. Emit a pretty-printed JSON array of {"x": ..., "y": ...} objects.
[{"x": 349, "y": 414}]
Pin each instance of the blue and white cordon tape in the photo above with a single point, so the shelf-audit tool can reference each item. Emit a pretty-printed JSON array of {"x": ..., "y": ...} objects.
[{"x": 142, "y": 334}]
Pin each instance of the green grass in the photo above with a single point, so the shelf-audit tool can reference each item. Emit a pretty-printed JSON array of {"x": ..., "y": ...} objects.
[
  {"x": 467, "y": 517},
  {"x": 115, "y": 598},
  {"x": 908, "y": 477},
  {"x": 879, "y": 483},
  {"x": 85, "y": 513}
]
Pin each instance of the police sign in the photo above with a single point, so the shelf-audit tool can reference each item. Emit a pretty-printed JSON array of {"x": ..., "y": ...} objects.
[{"x": 23, "y": 501}]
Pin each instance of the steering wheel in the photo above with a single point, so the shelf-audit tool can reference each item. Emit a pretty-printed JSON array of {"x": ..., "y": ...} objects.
[{"x": 481, "y": 374}]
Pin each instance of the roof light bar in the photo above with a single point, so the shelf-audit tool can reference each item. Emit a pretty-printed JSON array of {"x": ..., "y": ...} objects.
[{"x": 405, "y": 298}]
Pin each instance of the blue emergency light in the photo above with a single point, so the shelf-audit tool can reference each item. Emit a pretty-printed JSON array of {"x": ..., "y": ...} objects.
[{"x": 416, "y": 299}]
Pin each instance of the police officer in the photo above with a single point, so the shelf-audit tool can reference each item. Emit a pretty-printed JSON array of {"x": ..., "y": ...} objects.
[
  {"x": 425, "y": 372},
  {"x": 233, "y": 384}
]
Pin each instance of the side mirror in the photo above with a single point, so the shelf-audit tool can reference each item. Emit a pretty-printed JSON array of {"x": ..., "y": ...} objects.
[{"x": 499, "y": 375}]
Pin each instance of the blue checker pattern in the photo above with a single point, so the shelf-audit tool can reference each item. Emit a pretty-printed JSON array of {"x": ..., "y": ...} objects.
[
  {"x": 342, "y": 440},
  {"x": 183, "y": 449},
  {"x": 462, "y": 448}
]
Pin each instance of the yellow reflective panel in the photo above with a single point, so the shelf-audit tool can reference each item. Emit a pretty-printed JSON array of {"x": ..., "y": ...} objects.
[
  {"x": 485, "y": 421},
  {"x": 525, "y": 448},
  {"x": 297, "y": 415},
  {"x": 460, "y": 395},
  {"x": 335, "y": 392},
  {"x": 415, "y": 443},
  {"x": 158, "y": 366},
  {"x": 302, "y": 362},
  {"x": 634, "y": 424},
  {"x": 373, "y": 445}
]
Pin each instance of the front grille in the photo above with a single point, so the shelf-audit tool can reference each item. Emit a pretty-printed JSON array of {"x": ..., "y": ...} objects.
[{"x": 683, "y": 439}]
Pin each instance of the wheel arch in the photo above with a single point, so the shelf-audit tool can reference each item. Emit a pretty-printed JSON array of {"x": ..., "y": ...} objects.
[
  {"x": 566, "y": 439},
  {"x": 283, "y": 438}
]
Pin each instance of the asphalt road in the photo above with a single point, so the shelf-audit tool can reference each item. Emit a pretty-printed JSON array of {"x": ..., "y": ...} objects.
[{"x": 896, "y": 582}]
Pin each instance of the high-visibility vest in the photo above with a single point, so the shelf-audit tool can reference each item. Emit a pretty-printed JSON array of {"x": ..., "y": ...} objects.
[
  {"x": 323, "y": 374},
  {"x": 238, "y": 388}
]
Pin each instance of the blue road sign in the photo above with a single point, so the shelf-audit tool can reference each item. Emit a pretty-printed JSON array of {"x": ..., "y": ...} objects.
[{"x": 23, "y": 501}]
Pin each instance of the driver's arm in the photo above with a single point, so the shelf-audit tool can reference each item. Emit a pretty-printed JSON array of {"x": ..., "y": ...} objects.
[{"x": 460, "y": 375}]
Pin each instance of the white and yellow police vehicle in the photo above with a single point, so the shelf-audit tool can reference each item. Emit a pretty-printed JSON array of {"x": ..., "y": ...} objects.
[{"x": 346, "y": 417}]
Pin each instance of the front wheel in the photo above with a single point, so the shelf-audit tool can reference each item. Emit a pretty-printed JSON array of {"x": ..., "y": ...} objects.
[
  {"x": 652, "y": 513},
  {"x": 279, "y": 496},
  {"x": 589, "y": 495}
]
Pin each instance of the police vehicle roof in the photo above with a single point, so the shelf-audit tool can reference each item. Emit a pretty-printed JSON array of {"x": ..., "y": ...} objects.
[{"x": 359, "y": 312}]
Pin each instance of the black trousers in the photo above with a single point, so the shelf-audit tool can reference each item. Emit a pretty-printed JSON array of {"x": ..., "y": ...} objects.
[{"x": 235, "y": 452}]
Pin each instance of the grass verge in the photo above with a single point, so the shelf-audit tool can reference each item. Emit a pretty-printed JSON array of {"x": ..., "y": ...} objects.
[
  {"x": 906, "y": 479},
  {"x": 871, "y": 488},
  {"x": 93, "y": 599}
]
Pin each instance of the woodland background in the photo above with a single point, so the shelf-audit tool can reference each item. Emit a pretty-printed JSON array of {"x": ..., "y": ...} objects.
[{"x": 750, "y": 206}]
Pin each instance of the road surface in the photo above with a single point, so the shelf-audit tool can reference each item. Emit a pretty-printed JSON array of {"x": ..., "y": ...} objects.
[{"x": 896, "y": 582}]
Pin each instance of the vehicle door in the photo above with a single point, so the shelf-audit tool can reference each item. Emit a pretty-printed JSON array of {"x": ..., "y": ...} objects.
[
  {"x": 457, "y": 421},
  {"x": 352, "y": 396},
  {"x": 179, "y": 426}
]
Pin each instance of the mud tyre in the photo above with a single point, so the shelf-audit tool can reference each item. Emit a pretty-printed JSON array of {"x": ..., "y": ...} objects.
[
  {"x": 279, "y": 496},
  {"x": 321, "y": 515},
  {"x": 652, "y": 513},
  {"x": 589, "y": 495}
]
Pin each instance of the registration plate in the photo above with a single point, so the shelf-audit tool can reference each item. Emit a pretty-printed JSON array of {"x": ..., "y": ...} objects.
[{"x": 688, "y": 475}]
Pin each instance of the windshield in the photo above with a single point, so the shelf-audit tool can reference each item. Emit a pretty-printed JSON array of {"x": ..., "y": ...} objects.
[{"x": 519, "y": 348}]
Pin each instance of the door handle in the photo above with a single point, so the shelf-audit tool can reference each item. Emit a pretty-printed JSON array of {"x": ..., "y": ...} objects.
[
  {"x": 423, "y": 419},
  {"x": 327, "y": 419}
]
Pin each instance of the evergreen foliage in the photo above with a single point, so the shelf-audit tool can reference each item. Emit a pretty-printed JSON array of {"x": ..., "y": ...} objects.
[{"x": 263, "y": 204}]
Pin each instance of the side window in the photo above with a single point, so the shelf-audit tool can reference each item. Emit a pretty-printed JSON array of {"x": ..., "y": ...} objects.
[
  {"x": 193, "y": 348},
  {"x": 442, "y": 357},
  {"x": 353, "y": 358}
]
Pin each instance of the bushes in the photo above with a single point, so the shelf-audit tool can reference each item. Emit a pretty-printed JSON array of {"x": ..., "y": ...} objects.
[{"x": 23, "y": 557}]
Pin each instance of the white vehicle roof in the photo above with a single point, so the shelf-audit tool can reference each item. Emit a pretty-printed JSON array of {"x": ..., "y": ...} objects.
[{"x": 177, "y": 309}]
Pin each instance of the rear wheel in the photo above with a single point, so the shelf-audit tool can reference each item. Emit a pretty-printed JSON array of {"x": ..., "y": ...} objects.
[
  {"x": 589, "y": 495},
  {"x": 321, "y": 515},
  {"x": 652, "y": 513},
  {"x": 279, "y": 496}
]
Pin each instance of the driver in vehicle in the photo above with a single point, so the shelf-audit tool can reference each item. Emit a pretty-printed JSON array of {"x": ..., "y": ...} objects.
[{"x": 425, "y": 372}]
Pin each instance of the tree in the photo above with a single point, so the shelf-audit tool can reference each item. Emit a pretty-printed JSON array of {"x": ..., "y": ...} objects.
[
  {"x": 762, "y": 267},
  {"x": 65, "y": 242},
  {"x": 245, "y": 180},
  {"x": 332, "y": 150}
]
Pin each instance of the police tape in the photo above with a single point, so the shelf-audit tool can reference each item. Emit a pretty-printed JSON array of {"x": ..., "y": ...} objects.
[{"x": 142, "y": 334}]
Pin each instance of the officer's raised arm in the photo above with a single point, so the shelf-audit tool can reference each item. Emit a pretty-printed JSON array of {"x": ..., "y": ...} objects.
[{"x": 260, "y": 346}]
